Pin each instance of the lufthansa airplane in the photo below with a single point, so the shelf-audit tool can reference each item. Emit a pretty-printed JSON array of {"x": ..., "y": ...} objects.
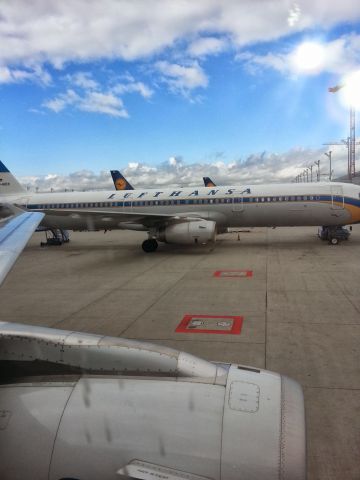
[{"x": 192, "y": 215}]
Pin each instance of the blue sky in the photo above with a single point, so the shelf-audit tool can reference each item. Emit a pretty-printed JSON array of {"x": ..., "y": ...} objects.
[{"x": 157, "y": 88}]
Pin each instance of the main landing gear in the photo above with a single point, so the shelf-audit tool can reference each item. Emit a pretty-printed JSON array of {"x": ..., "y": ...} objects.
[
  {"x": 334, "y": 235},
  {"x": 55, "y": 236},
  {"x": 149, "y": 245}
]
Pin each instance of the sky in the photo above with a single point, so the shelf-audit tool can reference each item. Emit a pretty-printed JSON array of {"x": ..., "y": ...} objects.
[{"x": 168, "y": 91}]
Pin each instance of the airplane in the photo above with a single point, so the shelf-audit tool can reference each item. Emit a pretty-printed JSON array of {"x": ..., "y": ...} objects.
[
  {"x": 83, "y": 406},
  {"x": 208, "y": 182},
  {"x": 120, "y": 181},
  {"x": 193, "y": 216}
]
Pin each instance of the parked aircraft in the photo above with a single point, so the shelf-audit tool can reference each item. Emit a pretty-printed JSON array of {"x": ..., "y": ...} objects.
[
  {"x": 120, "y": 181},
  {"x": 81, "y": 406},
  {"x": 193, "y": 215}
]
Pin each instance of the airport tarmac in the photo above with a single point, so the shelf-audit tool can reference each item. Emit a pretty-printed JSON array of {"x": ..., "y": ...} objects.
[{"x": 298, "y": 299}]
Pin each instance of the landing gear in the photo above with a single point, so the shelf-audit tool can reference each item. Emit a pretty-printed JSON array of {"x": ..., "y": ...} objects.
[
  {"x": 149, "y": 245},
  {"x": 55, "y": 237},
  {"x": 334, "y": 235}
]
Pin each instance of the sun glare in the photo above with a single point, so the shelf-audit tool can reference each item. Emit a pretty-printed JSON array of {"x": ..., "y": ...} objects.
[
  {"x": 308, "y": 57},
  {"x": 350, "y": 92}
]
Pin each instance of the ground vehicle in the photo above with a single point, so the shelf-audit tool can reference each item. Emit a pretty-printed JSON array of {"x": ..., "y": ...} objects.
[{"x": 334, "y": 235}]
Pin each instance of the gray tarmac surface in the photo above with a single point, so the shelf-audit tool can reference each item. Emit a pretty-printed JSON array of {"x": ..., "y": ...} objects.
[{"x": 300, "y": 309}]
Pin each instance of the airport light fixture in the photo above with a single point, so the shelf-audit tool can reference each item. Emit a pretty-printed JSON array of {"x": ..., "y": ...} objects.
[
  {"x": 328, "y": 154},
  {"x": 317, "y": 163}
]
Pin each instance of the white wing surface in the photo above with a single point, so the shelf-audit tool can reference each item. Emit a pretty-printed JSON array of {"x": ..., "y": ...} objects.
[{"x": 14, "y": 235}]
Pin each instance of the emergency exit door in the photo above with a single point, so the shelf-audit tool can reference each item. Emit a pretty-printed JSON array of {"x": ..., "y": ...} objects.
[{"x": 337, "y": 197}]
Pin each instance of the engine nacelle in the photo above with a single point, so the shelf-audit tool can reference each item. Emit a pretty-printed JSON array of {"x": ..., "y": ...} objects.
[
  {"x": 82, "y": 406},
  {"x": 187, "y": 233}
]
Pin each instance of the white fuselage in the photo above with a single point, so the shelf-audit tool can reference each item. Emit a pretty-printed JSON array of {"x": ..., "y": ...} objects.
[{"x": 249, "y": 205}]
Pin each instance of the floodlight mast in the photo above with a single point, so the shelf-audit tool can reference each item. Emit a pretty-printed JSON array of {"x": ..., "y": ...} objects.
[
  {"x": 350, "y": 142},
  {"x": 328, "y": 154}
]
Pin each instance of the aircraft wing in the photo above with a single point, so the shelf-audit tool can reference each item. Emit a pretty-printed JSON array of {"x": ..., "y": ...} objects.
[
  {"x": 15, "y": 232},
  {"x": 146, "y": 219}
]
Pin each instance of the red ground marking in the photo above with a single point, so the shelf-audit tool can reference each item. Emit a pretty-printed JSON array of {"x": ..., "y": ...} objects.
[
  {"x": 233, "y": 273},
  {"x": 217, "y": 324}
]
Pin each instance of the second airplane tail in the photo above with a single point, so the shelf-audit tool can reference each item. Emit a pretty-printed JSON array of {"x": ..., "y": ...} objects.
[
  {"x": 208, "y": 182},
  {"x": 120, "y": 181}
]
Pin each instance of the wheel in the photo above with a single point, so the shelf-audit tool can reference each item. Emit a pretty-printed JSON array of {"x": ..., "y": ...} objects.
[
  {"x": 149, "y": 245},
  {"x": 334, "y": 241}
]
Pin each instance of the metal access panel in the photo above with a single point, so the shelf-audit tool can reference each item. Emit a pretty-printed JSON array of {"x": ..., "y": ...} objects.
[
  {"x": 337, "y": 197},
  {"x": 215, "y": 324}
]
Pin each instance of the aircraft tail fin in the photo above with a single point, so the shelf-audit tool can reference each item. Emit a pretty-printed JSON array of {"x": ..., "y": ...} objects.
[
  {"x": 120, "y": 181},
  {"x": 8, "y": 183},
  {"x": 208, "y": 182}
]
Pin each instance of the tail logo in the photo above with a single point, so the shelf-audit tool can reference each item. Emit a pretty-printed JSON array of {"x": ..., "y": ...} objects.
[{"x": 120, "y": 184}]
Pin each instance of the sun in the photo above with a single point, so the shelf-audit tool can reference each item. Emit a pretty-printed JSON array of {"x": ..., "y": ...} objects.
[{"x": 308, "y": 57}]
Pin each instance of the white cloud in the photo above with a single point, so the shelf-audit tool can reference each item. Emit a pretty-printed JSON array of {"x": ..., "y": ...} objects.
[
  {"x": 257, "y": 168},
  {"x": 83, "y": 80},
  {"x": 19, "y": 75},
  {"x": 106, "y": 103},
  {"x": 96, "y": 102},
  {"x": 85, "y": 30},
  {"x": 87, "y": 94},
  {"x": 207, "y": 46},
  {"x": 337, "y": 56},
  {"x": 182, "y": 78},
  {"x": 62, "y": 101},
  {"x": 133, "y": 87}
]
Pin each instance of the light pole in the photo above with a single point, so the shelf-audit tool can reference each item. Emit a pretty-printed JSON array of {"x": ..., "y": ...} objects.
[
  {"x": 311, "y": 178},
  {"x": 328, "y": 154},
  {"x": 318, "y": 170}
]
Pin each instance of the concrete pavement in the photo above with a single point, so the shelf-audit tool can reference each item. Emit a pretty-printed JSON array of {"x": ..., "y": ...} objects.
[{"x": 300, "y": 309}]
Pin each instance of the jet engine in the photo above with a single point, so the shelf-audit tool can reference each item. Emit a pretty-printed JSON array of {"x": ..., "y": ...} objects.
[
  {"x": 188, "y": 232},
  {"x": 80, "y": 406}
]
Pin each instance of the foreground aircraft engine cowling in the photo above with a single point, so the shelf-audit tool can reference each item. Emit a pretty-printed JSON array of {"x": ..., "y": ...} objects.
[
  {"x": 86, "y": 407},
  {"x": 186, "y": 233}
]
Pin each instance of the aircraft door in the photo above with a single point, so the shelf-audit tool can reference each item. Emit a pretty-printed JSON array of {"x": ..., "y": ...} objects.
[
  {"x": 238, "y": 204},
  {"x": 337, "y": 197}
]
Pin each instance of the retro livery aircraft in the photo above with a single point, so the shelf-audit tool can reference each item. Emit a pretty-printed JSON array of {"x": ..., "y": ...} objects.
[{"x": 192, "y": 215}]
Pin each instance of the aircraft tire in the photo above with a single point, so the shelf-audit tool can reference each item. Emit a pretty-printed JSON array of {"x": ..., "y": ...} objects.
[{"x": 149, "y": 245}]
